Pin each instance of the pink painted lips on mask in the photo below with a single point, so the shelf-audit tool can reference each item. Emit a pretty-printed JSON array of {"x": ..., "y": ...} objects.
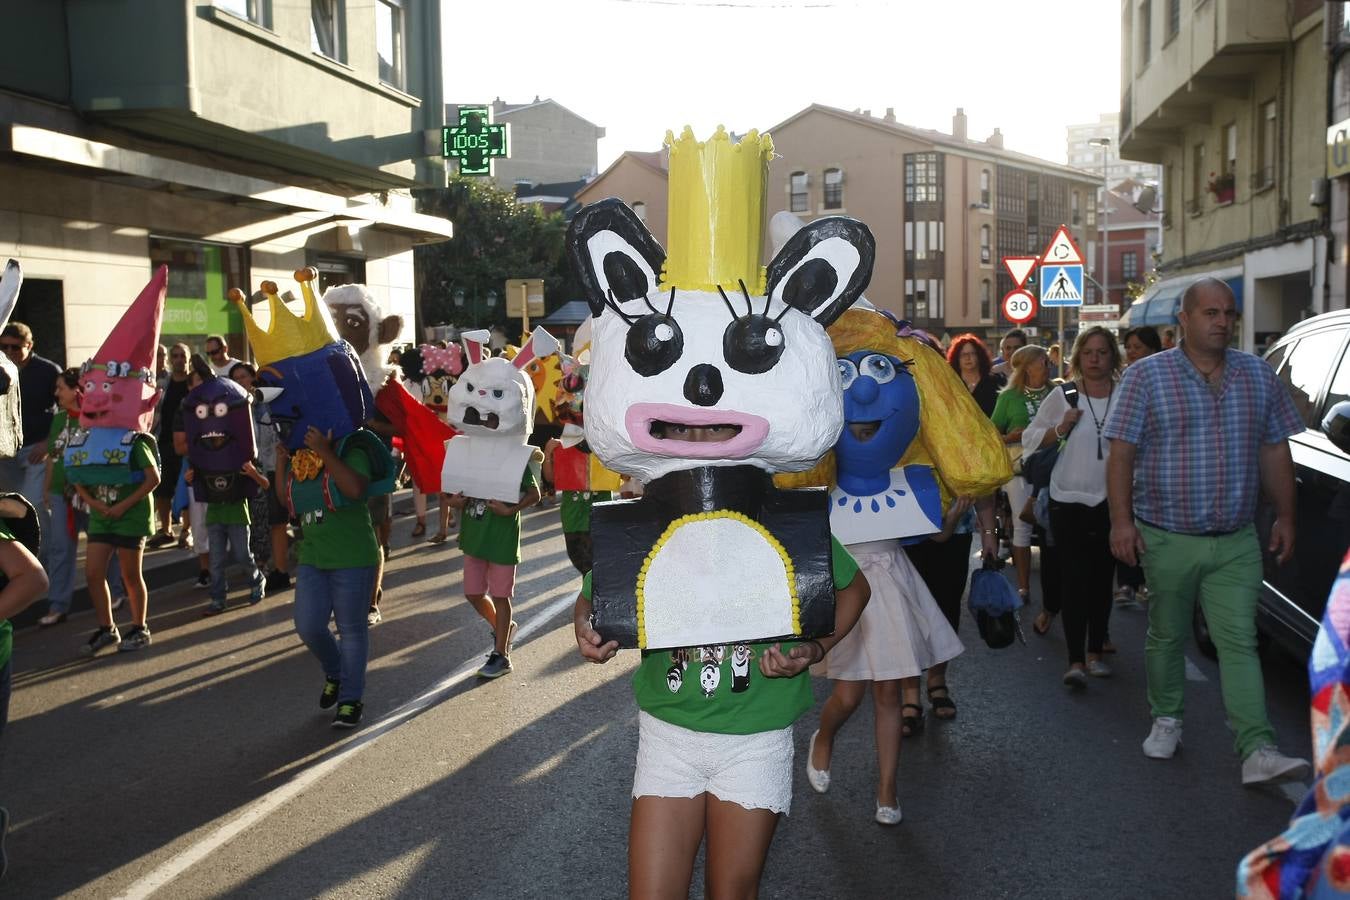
[{"x": 640, "y": 417}]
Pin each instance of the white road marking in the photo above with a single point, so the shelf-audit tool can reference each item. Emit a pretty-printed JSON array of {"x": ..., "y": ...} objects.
[
  {"x": 273, "y": 800},
  {"x": 1193, "y": 672}
]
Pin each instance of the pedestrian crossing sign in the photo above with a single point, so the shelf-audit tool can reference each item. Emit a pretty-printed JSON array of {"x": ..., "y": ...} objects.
[{"x": 1061, "y": 285}]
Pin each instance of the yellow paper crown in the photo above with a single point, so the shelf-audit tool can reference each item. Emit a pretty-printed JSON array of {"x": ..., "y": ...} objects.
[
  {"x": 287, "y": 334},
  {"x": 716, "y": 217}
]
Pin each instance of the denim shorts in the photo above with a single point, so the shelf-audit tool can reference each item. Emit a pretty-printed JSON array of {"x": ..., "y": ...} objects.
[{"x": 120, "y": 541}]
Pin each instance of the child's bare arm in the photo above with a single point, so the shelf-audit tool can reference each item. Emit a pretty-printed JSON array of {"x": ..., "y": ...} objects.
[
  {"x": 848, "y": 606},
  {"x": 27, "y": 581},
  {"x": 251, "y": 471}
]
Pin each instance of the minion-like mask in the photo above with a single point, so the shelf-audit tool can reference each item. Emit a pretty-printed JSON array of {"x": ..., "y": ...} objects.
[{"x": 219, "y": 426}]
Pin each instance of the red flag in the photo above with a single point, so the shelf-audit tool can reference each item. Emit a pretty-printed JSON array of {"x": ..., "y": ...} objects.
[{"x": 424, "y": 435}]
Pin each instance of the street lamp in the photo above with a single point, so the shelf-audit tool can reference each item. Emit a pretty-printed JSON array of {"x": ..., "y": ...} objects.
[{"x": 1105, "y": 144}]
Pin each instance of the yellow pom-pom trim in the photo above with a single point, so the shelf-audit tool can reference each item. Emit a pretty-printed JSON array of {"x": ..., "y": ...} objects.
[
  {"x": 306, "y": 464},
  {"x": 789, "y": 572}
]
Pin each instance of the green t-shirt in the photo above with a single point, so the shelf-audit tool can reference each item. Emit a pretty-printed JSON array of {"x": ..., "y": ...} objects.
[
  {"x": 672, "y": 684},
  {"x": 340, "y": 538},
  {"x": 232, "y": 512},
  {"x": 61, "y": 430},
  {"x": 1015, "y": 409},
  {"x": 485, "y": 535},
  {"x": 6, "y": 629},
  {"x": 139, "y": 521},
  {"x": 575, "y": 508}
]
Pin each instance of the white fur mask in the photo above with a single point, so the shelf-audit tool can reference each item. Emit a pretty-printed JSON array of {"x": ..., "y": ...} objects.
[
  {"x": 764, "y": 367},
  {"x": 494, "y": 399}
]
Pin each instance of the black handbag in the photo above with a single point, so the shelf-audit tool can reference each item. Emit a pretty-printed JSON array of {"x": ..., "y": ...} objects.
[{"x": 1038, "y": 467}]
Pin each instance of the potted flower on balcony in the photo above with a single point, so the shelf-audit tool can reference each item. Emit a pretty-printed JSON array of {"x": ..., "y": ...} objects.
[{"x": 1222, "y": 186}]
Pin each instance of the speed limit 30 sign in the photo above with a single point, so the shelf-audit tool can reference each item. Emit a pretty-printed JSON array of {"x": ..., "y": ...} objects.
[{"x": 1019, "y": 307}]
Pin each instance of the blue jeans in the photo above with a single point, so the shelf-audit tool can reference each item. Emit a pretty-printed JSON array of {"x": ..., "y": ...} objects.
[
  {"x": 344, "y": 596},
  {"x": 61, "y": 557},
  {"x": 236, "y": 537}
]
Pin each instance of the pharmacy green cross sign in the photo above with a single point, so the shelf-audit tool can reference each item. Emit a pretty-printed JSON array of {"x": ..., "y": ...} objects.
[{"x": 474, "y": 141}]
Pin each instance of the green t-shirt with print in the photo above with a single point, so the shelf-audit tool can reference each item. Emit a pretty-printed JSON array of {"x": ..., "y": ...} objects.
[
  {"x": 231, "y": 512},
  {"x": 485, "y": 535},
  {"x": 1014, "y": 409},
  {"x": 575, "y": 508},
  {"x": 341, "y": 538},
  {"x": 57, "y": 437},
  {"x": 673, "y": 685},
  {"x": 6, "y": 629},
  {"x": 139, "y": 521}
]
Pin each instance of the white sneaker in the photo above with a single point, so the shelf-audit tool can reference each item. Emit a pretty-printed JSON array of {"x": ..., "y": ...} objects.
[
  {"x": 888, "y": 815},
  {"x": 1098, "y": 669},
  {"x": 1075, "y": 678},
  {"x": 1125, "y": 597},
  {"x": 1267, "y": 765},
  {"x": 1162, "y": 742},
  {"x": 818, "y": 778}
]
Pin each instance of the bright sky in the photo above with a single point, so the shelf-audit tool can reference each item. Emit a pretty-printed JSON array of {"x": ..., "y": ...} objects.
[{"x": 638, "y": 67}]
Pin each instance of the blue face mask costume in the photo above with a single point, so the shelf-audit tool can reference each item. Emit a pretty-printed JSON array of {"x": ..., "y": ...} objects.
[
  {"x": 324, "y": 388},
  {"x": 881, "y": 400}
]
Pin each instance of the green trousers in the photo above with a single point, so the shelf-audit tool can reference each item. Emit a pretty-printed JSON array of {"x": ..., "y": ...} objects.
[{"x": 1224, "y": 574}]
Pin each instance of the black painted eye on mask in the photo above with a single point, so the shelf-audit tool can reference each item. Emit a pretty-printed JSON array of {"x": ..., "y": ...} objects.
[
  {"x": 654, "y": 344},
  {"x": 753, "y": 344}
]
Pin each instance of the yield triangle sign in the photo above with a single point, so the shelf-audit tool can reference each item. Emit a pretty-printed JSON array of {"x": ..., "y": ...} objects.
[
  {"x": 1019, "y": 267},
  {"x": 1062, "y": 249}
]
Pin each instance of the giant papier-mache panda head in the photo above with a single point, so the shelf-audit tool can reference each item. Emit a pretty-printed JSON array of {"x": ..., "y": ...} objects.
[{"x": 706, "y": 336}]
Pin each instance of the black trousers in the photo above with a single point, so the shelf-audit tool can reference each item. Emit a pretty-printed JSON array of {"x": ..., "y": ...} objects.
[
  {"x": 945, "y": 568},
  {"x": 1086, "y": 566}
]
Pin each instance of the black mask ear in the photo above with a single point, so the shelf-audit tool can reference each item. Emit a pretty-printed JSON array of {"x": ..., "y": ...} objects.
[
  {"x": 611, "y": 250},
  {"x": 824, "y": 267}
]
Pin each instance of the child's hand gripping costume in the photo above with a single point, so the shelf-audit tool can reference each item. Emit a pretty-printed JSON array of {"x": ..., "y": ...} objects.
[
  {"x": 704, "y": 342},
  {"x": 119, "y": 395}
]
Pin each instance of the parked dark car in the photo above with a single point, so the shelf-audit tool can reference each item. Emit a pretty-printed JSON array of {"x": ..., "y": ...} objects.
[{"x": 1313, "y": 362}]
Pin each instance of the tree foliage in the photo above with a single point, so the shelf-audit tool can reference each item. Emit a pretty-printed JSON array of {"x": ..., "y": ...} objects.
[{"x": 495, "y": 239}]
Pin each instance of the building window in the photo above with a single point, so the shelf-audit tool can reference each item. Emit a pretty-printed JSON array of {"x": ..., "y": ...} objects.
[
  {"x": 834, "y": 189},
  {"x": 1173, "y": 18},
  {"x": 1129, "y": 265},
  {"x": 923, "y": 178},
  {"x": 923, "y": 299},
  {"x": 1076, "y": 212},
  {"x": 326, "y": 32},
  {"x": 984, "y": 188},
  {"x": 1264, "y": 176},
  {"x": 1230, "y": 149},
  {"x": 1092, "y": 209},
  {"x": 986, "y": 253},
  {"x": 797, "y": 200},
  {"x": 1145, "y": 32},
  {"x": 640, "y": 210},
  {"x": 259, "y": 12},
  {"x": 389, "y": 44},
  {"x": 986, "y": 300}
]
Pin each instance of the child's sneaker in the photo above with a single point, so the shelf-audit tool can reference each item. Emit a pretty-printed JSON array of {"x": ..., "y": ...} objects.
[
  {"x": 330, "y": 693},
  {"x": 214, "y": 608},
  {"x": 348, "y": 715},
  {"x": 105, "y": 636},
  {"x": 138, "y": 638},
  {"x": 374, "y": 617},
  {"x": 277, "y": 581},
  {"x": 496, "y": 666},
  {"x": 259, "y": 591},
  {"x": 203, "y": 580}
]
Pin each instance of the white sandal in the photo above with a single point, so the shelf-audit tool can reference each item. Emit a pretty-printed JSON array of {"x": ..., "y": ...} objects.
[{"x": 819, "y": 778}]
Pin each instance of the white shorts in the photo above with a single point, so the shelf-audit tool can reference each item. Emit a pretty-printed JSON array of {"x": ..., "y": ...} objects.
[
  {"x": 754, "y": 770},
  {"x": 1018, "y": 491}
]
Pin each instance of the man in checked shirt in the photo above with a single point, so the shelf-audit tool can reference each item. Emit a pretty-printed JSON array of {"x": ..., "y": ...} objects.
[{"x": 1196, "y": 432}]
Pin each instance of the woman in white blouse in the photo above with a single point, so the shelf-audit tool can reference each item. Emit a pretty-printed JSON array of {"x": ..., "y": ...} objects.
[{"x": 1079, "y": 518}]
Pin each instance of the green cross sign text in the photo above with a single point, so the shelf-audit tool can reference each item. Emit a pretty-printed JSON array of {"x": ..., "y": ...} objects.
[{"x": 474, "y": 141}]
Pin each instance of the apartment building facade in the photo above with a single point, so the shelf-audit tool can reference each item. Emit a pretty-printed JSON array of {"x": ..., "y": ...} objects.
[
  {"x": 1230, "y": 98},
  {"x": 945, "y": 209},
  {"x": 550, "y": 144},
  {"x": 236, "y": 141}
]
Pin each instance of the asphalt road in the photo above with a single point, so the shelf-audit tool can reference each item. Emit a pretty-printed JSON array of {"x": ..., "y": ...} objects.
[{"x": 204, "y": 768}]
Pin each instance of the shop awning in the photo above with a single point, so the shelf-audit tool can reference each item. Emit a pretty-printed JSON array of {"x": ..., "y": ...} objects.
[
  {"x": 283, "y": 209},
  {"x": 1162, "y": 301},
  {"x": 573, "y": 312}
]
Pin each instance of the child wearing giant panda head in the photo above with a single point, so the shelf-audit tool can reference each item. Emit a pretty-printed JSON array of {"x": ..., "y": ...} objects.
[{"x": 709, "y": 373}]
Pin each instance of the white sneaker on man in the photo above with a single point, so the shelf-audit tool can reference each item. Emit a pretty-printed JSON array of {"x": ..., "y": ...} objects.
[
  {"x": 1267, "y": 765},
  {"x": 1162, "y": 742}
]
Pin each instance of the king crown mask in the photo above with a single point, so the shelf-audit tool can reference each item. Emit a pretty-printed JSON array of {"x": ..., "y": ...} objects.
[
  {"x": 716, "y": 219},
  {"x": 287, "y": 334}
]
